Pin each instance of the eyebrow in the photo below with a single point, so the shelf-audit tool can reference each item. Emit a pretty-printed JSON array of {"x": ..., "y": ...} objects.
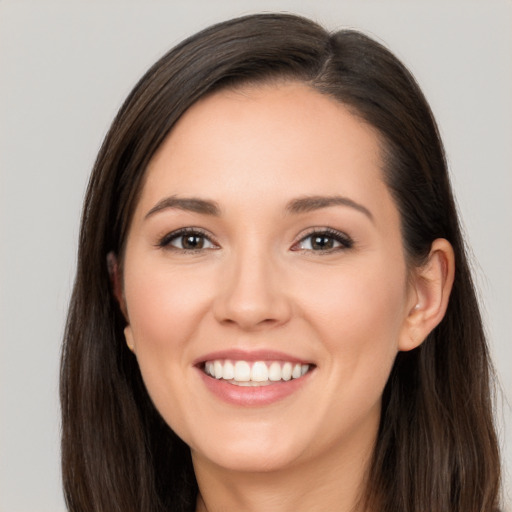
[
  {"x": 190, "y": 204},
  {"x": 296, "y": 206},
  {"x": 311, "y": 203}
]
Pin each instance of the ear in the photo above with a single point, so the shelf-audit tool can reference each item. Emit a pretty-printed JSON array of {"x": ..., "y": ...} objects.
[
  {"x": 117, "y": 289},
  {"x": 116, "y": 282},
  {"x": 430, "y": 291},
  {"x": 128, "y": 336}
]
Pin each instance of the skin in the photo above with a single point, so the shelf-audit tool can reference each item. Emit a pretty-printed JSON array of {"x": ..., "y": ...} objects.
[{"x": 258, "y": 283}]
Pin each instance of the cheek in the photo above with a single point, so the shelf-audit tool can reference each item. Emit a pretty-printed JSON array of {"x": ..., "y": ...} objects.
[
  {"x": 164, "y": 310},
  {"x": 163, "y": 306},
  {"x": 359, "y": 316},
  {"x": 367, "y": 297}
]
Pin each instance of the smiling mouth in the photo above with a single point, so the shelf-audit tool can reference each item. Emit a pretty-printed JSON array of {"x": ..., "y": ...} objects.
[{"x": 255, "y": 373}]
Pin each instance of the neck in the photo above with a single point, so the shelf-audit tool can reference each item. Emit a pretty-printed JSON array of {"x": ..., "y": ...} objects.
[{"x": 336, "y": 482}]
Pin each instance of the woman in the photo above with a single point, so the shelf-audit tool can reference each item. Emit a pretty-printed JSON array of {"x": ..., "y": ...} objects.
[{"x": 273, "y": 308}]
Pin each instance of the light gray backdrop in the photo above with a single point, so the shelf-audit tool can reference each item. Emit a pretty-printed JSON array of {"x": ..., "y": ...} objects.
[{"x": 66, "y": 66}]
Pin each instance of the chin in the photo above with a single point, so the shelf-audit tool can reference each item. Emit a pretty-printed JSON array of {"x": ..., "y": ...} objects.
[
  {"x": 254, "y": 462},
  {"x": 251, "y": 455}
]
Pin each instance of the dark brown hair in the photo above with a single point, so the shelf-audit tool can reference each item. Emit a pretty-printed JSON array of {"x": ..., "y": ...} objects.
[{"x": 436, "y": 449}]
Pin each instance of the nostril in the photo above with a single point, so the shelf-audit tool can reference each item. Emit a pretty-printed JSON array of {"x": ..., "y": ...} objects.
[
  {"x": 248, "y": 322},
  {"x": 249, "y": 295}
]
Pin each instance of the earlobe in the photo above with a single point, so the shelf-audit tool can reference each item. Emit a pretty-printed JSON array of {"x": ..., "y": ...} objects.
[
  {"x": 116, "y": 282},
  {"x": 432, "y": 285},
  {"x": 128, "y": 336}
]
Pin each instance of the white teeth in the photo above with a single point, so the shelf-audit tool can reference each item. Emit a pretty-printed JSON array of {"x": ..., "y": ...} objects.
[
  {"x": 296, "y": 373},
  {"x": 274, "y": 373},
  {"x": 242, "y": 371},
  {"x": 286, "y": 372},
  {"x": 260, "y": 373},
  {"x": 229, "y": 371},
  {"x": 217, "y": 367}
]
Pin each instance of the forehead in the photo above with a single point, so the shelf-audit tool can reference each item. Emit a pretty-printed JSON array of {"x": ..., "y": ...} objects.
[{"x": 270, "y": 141}]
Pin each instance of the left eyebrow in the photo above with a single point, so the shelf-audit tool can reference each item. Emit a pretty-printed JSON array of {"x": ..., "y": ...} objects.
[
  {"x": 190, "y": 204},
  {"x": 311, "y": 203}
]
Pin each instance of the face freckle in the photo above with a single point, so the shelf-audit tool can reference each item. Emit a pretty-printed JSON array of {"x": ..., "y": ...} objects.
[{"x": 265, "y": 234}]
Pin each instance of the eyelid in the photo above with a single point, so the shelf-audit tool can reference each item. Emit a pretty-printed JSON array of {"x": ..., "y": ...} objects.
[
  {"x": 345, "y": 240},
  {"x": 164, "y": 242},
  {"x": 342, "y": 238}
]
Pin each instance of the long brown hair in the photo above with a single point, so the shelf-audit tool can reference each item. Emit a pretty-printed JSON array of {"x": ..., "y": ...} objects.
[{"x": 436, "y": 449}]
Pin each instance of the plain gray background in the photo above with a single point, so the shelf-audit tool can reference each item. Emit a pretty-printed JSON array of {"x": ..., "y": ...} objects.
[{"x": 66, "y": 66}]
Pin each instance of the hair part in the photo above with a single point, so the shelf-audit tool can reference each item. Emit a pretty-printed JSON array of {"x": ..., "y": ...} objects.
[{"x": 436, "y": 448}]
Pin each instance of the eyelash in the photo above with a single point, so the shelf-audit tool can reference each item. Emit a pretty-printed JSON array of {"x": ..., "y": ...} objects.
[
  {"x": 337, "y": 236},
  {"x": 165, "y": 242}
]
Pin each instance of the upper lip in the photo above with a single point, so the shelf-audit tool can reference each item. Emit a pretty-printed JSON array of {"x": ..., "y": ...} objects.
[{"x": 250, "y": 355}]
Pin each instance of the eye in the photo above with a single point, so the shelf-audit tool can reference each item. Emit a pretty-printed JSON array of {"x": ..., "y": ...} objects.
[
  {"x": 327, "y": 240},
  {"x": 189, "y": 239}
]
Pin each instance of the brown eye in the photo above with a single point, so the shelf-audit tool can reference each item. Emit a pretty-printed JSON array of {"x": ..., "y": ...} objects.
[
  {"x": 192, "y": 242},
  {"x": 187, "y": 240},
  {"x": 324, "y": 241}
]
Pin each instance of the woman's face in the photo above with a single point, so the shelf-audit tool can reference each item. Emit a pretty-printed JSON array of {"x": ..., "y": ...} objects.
[{"x": 264, "y": 279}]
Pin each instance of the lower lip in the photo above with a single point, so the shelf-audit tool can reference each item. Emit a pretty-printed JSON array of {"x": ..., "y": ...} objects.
[{"x": 254, "y": 396}]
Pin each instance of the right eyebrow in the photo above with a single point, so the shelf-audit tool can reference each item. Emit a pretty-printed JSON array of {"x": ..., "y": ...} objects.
[{"x": 190, "y": 204}]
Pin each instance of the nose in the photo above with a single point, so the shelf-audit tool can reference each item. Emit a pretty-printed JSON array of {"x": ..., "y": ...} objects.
[{"x": 252, "y": 292}]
